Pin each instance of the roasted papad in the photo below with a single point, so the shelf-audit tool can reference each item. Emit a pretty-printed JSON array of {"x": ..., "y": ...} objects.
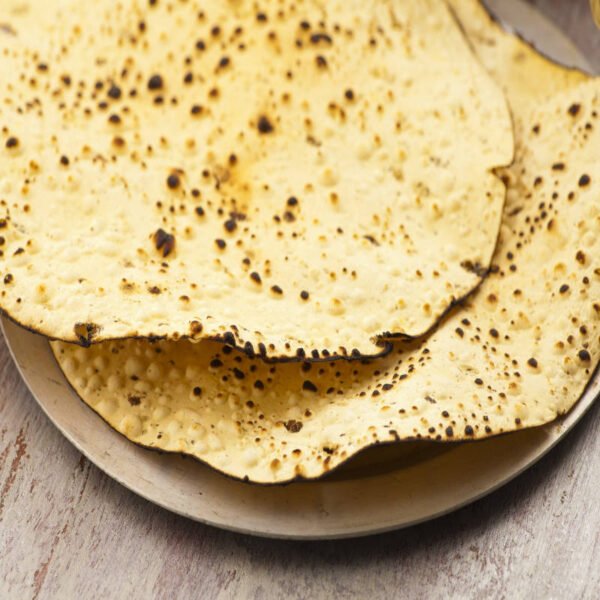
[
  {"x": 518, "y": 354},
  {"x": 299, "y": 181}
]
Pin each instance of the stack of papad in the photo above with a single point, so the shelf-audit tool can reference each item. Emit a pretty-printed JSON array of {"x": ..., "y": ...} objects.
[{"x": 518, "y": 353}]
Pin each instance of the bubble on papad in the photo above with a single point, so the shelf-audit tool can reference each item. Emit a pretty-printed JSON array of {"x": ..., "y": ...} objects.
[
  {"x": 518, "y": 354},
  {"x": 298, "y": 181}
]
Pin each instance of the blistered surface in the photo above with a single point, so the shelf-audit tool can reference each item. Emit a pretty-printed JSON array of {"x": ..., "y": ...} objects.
[{"x": 519, "y": 354}]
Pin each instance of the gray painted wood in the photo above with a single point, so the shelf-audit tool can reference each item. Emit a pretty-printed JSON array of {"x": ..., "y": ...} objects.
[{"x": 68, "y": 531}]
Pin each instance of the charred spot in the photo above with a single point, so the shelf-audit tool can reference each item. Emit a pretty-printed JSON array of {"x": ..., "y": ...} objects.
[
  {"x": 114, "y": 92},
  {"x": 134, "y": 400},
  {"x": 309, "y": 386},
  {"x": 532, "y": 362},
  {"x": 475, "y": 268},
  {"x": 155, "y": 83},
  {"x": 469, "y": 430},
  {"x": 255, "y": 277},
  {"x": 293, "y": 426},
  {"x": 321, "y": 61},
  {"x": 238, "y": 373},
  {"x": 197, "y": 391},
  {"x": 449, "y": 431},
  {"x": 317, "y": 38},
  {"x": 264, "y": 125},
  {"x": 164, "y": 242},
  {"x": 173, "y": 181},
  {"x": 195, "y": 328},
  {"x": 216, "y": 363},
  {"x": 371, "y": 239},
  {"x": 230, "y": 225},
  {"x": 584, "y": 180},
  {"x": 86, "y": 332},
  {"x": 12, "y": 142},
  {"x": 221, "y": 244},
  {"x": 224, "y": 62},
  {"x": 563, "y": 289},
  {"x": 584, "y": 356},
  {"x": 154, "y": 290},
  {"x": 558, "y": 166},
  {"x": 304, "y": 295},
  {"x": 574, "y": 109}
]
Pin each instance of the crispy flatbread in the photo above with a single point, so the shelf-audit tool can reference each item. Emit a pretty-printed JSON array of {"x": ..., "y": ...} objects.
[
  {"x": 519, "y": 353},
  {"x": 298, "y": 182}
]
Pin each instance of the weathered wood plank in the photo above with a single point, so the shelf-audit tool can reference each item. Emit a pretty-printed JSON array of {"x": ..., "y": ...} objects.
[{"x": 68, "y": 531}]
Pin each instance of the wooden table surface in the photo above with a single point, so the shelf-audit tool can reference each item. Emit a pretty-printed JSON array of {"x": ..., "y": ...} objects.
[{"x": 68, "y": 531}]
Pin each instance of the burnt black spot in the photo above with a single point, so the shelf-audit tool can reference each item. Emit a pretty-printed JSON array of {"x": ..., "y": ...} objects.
[
  {"x": 164, "y": 241},
  {"x": 474, "y": 267},
  {"x": 293, "y": 426},
  {"x": 264, "y": 125},
  {"x": 86, "y": 332},
  {"x": 173, "y": 181},
  {"x": 584, "y": 181},
  {"x": 230, "y": 225},
  {"x": 114, "y": 92},
  {"x": 309, "y": 386},
  {"x": 584, "y": 356},
  {"x": 155, "y": 83}
]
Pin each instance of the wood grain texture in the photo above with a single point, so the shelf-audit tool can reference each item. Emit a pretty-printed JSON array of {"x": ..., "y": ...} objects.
[{"x": 68, "y": 531}]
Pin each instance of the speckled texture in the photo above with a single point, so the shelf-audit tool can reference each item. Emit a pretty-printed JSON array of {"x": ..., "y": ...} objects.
[
  {"x": 517, "y": 355},
  {"x": 526, "y": 76},
  {"x": 71, "y": 531},
  {"x": 246, "y": 179}
]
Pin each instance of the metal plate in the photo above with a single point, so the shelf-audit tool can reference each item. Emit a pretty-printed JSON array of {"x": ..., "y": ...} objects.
[{"x": 383, "y": 489}]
